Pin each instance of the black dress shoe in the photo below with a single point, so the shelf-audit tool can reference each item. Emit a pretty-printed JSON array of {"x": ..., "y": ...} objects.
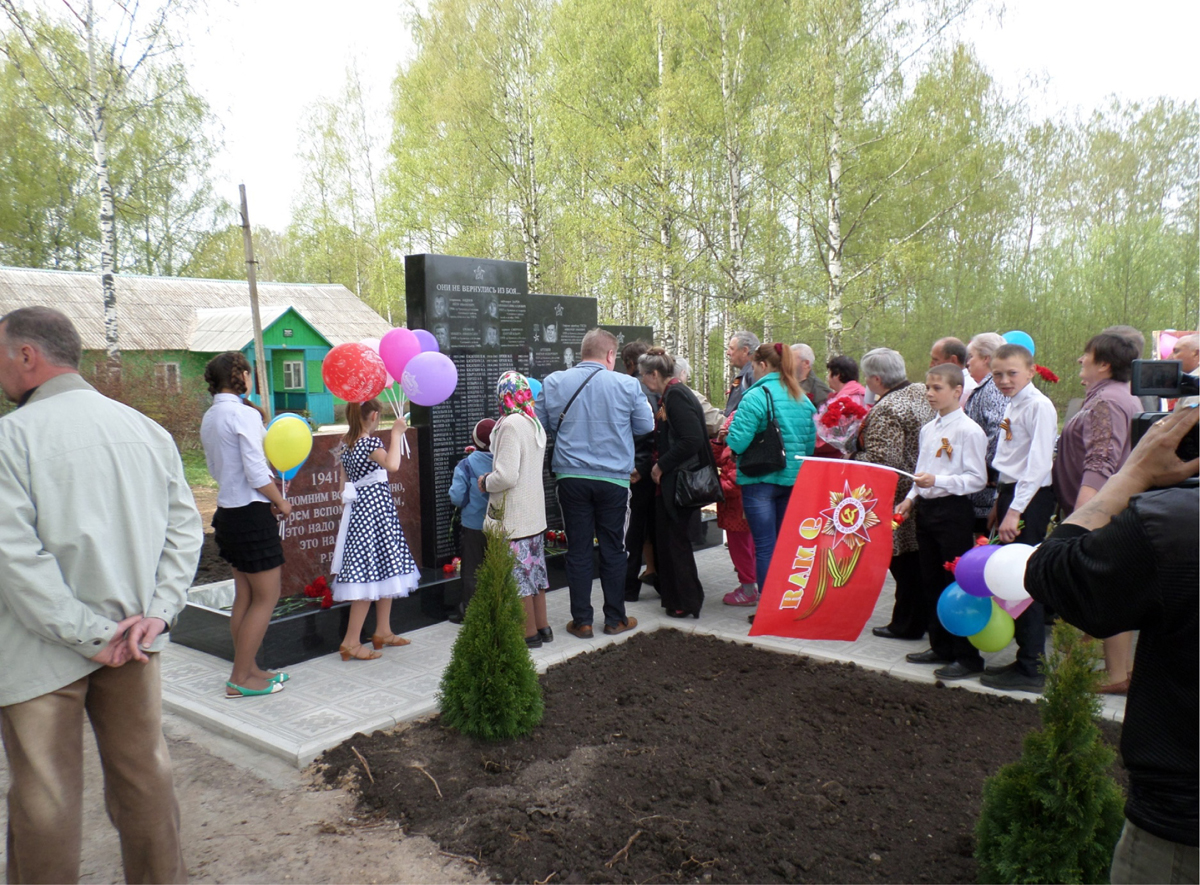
[
  {"x": 680, "y": 613},
  {"x": 456, "y": 616},
  {"x": 956, "y": 671},
  {"x": 1002, "y": 668},
  {"x": 650, "y": 578},
  {"x": 546, "y": 633},
  {"x": 886, "y": 633},
  {"x": 929, "y": 656},
  {"x": 533, "y": 641}
]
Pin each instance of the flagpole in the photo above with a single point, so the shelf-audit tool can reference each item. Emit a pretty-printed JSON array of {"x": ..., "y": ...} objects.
[{"x": 866, "y": 463}]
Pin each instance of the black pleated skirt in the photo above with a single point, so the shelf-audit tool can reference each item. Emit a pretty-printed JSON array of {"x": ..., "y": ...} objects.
[{"x": 248, "y": 537}]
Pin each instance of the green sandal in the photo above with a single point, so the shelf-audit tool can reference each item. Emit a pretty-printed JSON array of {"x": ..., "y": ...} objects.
[{"x": 271, "y": 688}]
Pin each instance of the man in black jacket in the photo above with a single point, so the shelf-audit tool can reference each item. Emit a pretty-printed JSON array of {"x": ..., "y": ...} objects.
[{"x": 1128, "y": 560}]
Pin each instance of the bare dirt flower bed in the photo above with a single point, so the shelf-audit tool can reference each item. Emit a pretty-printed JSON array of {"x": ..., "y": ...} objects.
[{"x": 679, "y": 758}]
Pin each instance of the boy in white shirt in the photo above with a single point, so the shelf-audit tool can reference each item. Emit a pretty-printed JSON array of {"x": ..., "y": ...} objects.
[
  {"x": 951, "y": 464},
  {"x": 1024, "y": 500}
]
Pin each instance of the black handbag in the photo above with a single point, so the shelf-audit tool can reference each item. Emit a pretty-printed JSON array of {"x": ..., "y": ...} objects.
[
  {"x": 765, "y": 454},
  {"x": 698, "y": 486}
]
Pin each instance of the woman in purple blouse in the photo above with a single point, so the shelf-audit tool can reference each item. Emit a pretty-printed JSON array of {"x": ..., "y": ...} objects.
[{"x": 1093, "y": 446}]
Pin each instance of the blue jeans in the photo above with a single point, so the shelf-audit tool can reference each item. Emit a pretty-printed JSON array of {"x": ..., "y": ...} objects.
[
  {"x": 592, "y": 508},
  {"x": 764, "y": 504}
]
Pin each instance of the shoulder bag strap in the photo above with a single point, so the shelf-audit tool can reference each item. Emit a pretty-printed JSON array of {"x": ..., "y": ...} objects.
[{"x": 578, "y": 390}]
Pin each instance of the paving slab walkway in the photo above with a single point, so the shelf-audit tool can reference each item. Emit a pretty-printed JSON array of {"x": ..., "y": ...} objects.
[{"x": 328, "y": 700}]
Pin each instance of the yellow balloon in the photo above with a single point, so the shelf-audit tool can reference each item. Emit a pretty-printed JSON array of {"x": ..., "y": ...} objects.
[
  {"x": 288, "y": 442},
  {"x": 997, "y": 634}
]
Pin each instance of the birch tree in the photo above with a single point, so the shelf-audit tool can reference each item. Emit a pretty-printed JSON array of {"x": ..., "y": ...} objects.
[{"x": 121, "y": 43}]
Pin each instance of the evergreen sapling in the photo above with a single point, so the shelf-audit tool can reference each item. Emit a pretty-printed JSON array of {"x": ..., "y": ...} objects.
[
  {"x": 490, "y": 688},
  {"x": 1055, "y": 814}
]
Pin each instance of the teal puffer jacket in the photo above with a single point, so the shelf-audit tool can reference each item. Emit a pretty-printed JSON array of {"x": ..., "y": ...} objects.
[{"x": 794, "y": 417}]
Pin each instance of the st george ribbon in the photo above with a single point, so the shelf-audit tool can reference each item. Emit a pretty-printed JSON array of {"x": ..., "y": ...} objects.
[{"x": 832, "y": 554}]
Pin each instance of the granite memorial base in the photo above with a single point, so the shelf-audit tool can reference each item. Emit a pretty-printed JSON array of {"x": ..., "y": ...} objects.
[
  {"x": 308, "y": 633},
  {"x": 314, "y": 631}
]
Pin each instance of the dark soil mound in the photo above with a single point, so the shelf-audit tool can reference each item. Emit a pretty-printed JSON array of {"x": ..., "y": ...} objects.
[{"x": 677, "y": 758}]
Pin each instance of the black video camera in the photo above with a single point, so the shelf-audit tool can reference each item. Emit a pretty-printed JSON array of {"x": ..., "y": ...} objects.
[{"x": 1164, "y": 378}]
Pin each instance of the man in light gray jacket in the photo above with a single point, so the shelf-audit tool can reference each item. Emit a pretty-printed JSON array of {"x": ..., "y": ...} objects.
[{"x": 99, "y": 540}]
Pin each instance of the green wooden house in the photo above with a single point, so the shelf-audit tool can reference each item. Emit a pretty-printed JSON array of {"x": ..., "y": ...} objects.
[
  {"x": 293, "y": 347},
  {"x": 170, "y": 327}
]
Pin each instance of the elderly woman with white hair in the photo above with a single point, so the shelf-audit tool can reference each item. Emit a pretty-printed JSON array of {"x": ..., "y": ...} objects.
[
  {"x": 890, "y": 436},
  {"x": 713, "y": 418}
]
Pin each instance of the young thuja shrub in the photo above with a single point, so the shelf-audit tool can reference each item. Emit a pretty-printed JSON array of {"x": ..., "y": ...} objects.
[
  {"x": 1056, "y": 813},
  {"x": 490, "y": 689}
]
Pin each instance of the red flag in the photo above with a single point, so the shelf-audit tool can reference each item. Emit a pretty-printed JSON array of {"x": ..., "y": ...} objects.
[{"x": 832, "y": 553}]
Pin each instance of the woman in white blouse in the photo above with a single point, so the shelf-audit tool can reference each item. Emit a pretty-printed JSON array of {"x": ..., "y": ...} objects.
[{"x": 246, "y": 527}]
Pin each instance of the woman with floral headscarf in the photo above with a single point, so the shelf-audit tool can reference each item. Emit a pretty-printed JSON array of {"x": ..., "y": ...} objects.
[{"x": 517, "y": 502}]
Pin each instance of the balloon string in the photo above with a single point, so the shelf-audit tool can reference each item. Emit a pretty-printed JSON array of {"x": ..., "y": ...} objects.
[{"x": 283, "y": 522}]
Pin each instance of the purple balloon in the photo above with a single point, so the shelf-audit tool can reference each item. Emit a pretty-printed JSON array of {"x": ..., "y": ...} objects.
[
  {"x": 969, "y": 573},
  {"x": 428, "y": 342},
  {"x": 396, "y": 348},
  {"x": 429, "y": 378}
]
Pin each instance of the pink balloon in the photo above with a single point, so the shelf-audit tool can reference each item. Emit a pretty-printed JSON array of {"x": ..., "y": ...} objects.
[
  {"x": 396, "y": 348},
  {"x": 354, "y": 372},
  {"x": 1014, "y": 608},
  {"x": 429, "y": 379},
  {"x": 428, "y": 342},
  {"x": 373, "y": 343}
]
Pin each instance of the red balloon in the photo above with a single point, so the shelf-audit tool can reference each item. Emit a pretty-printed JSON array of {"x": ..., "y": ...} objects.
[{"x": 354, "y": 372}]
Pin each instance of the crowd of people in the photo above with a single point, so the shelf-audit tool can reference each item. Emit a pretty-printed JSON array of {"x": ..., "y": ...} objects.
[
  {"x": 88, "y": 591},
  {"x": 975, "y": 430}
]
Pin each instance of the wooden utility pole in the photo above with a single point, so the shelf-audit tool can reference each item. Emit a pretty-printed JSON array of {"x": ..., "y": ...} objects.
[{"x": 260, "y": 352}]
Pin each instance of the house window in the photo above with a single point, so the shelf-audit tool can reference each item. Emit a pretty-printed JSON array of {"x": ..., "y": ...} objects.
[
  {"x": 166, "y": 376},
  {"x": 293, "y": 375}
]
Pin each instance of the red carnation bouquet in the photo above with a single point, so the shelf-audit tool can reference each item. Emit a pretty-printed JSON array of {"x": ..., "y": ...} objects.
[
  {"x": 1045, "y": 375},
  {"x": 838, "y": 422},
  {"x": 320, "y": 589}
]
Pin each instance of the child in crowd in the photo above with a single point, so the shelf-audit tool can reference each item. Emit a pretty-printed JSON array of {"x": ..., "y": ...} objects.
[
  {"x": 1024, "y": 499},
  {"x": 737, "y": 531},
  {"x": 372, "y": 561},
  {"x": 472, "y": 501},
  {"x": 951, "y": 465}
]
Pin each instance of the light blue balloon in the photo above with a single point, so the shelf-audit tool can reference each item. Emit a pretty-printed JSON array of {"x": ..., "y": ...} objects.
[
  {"x": 961, "y": 613},
  {"x": 289, "y": 474},
  {"x": 1022, "y": 338},
  {"x": 535, "y": 387}
]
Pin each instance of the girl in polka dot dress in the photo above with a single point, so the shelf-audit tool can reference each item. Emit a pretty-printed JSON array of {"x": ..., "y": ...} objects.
[{"x": 372, "y": 561}]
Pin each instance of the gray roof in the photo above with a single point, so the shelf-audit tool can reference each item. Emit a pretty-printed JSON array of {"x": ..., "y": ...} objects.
[
  {"x": 164, "y": 313},
  {"x": 219, "y": 329}
]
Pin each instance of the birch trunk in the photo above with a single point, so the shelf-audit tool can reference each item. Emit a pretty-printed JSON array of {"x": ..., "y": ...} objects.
[
  {"x": 108, "y": 227},
  {"x": 733, "y": 160},
  {"x": 833, "y": 312},
  {"x": 670, "y": 304}
]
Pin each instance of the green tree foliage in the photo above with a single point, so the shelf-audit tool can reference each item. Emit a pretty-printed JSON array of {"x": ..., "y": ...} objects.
[
  {"x": 160, "y": 150},
  {"x": 842, "y": 173},
  {"x": 1055, "y": 815},
  {"x": 490, "y": 689}
]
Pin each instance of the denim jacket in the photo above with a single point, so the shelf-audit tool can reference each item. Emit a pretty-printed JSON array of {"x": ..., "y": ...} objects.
[{"x": 596, "y": 437}]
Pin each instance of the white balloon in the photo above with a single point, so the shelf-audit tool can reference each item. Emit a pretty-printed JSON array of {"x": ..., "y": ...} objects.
[
  {"x": 373, "y": 343},
  {"x": 1004, "y": 572}
]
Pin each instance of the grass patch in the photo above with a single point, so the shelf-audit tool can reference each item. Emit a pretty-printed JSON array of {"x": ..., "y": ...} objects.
[{"x": 195, "y": 468}]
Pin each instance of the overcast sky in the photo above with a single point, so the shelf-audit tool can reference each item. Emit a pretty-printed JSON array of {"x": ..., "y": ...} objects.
[{"x": 262, "y": 62}]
